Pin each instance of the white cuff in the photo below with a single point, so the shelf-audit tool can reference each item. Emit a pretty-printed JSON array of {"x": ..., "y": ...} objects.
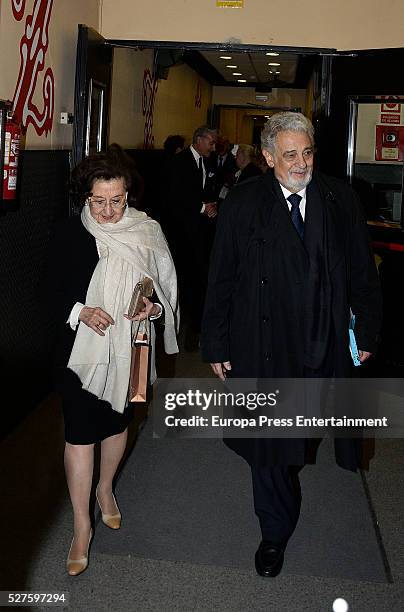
[
  {"x": 157, "y": 316},
  {"x": 203, "y": 208},
  {"x": 73, "y": 319}
]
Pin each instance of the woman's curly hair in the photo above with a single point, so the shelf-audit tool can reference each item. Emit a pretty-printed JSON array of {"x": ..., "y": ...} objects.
[{"x": 113, "y": 164}]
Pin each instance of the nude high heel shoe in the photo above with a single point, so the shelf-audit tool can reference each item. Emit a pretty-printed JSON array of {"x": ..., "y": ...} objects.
[
  {"x": 77, "y": 566},
  {"x": 113, "y": 521}
]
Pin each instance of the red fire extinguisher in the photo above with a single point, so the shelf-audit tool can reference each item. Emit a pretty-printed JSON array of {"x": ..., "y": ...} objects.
[{"x": 12, "y": 137}]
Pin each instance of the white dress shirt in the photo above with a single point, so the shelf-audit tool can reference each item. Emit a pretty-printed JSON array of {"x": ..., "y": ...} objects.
[
  {"x": 197, "y": 156},
  {"x": 302, "y": 204}
]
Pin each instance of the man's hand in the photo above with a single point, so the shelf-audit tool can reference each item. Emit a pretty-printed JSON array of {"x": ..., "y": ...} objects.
[
  {"x": 96, "y": 319},
  {"x": 220, "y": 369},
  {"x": 363, "y": 355},
  {"x": 210, "y": 209}
]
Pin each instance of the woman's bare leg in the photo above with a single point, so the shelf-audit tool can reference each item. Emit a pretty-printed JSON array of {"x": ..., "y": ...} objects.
[
  {"x": 112, "y": 450},
  {"x": 79, "y": 463}
]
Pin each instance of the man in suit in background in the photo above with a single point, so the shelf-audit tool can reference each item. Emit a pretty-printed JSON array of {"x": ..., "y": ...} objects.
[
  {"x": 192, "y": 209},
  {"x": 291, "y": 257},
  {"x": 224, "y": 166}
]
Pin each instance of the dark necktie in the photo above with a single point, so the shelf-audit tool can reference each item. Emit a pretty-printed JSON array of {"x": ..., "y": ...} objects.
[
  {"x": 295, "y": 213},
  {"x": 200, "y": 166},
  {"x": 220, "y": 162}
]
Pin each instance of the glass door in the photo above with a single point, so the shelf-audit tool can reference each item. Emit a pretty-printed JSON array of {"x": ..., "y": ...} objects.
[{"x": 375, "y": 157}]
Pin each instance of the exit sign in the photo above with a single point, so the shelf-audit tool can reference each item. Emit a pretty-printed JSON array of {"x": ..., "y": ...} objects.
[{"x": 230, "y": 3}]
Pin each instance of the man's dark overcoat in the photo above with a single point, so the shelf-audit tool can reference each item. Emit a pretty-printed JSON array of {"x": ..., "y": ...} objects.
[{"x": 275, "y": 303}]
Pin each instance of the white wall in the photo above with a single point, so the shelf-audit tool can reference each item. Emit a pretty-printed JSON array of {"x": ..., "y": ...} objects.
[
  {"x": 127, "y": 120},
  {"x": 340, "y": 24},
  {"x": 175, "y": 111},
  {"x": 60, "y": 56}
]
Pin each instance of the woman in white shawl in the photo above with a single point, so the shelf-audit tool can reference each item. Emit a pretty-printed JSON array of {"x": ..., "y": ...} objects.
[{"x": 96, "y": 261}]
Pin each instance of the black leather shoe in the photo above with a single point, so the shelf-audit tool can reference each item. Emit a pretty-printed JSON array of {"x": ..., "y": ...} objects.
[{"x": 269, "y": 559}]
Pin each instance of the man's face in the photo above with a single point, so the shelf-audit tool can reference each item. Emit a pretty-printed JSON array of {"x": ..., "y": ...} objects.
[
  {"x": 222, "y": 146},
  {"x": 293, "y": 159},
  {"x": 205, "y": 145}
]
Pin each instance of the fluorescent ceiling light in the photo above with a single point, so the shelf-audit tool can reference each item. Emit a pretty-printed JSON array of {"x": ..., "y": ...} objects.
[
  {"x": 273, "y": 64},
  {"x": 242, "y": 80},
  {"x": 237, "y": 74},
  {"x": 273, "y": 53},
  {"x": 225, "y": 57},
  {"x": 231, "y": 66}
]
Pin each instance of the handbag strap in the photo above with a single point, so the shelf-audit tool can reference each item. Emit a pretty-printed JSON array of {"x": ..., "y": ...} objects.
[{"x": 147, "y": 324}]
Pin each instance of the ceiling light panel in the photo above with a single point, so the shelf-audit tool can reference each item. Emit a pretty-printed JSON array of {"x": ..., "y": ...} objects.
[{"x": 253, "y": 64}]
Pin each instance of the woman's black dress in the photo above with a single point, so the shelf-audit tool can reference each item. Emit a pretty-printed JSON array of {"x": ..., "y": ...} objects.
[{"x": 72, "y": 259}]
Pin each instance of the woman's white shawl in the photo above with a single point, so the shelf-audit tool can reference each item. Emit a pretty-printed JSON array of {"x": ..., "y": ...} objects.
[{"x": 130, "y": 249}]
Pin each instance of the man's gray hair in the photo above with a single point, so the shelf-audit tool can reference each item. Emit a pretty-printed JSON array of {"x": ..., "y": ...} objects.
[
  {"x": 280, "y": 122},
  {"x": 204, "y": 130}
]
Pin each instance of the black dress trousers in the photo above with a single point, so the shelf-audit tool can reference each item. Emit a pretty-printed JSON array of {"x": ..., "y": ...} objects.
[
  {"x": 277, "y": 501},
  {"x": 277, "y": 492}
]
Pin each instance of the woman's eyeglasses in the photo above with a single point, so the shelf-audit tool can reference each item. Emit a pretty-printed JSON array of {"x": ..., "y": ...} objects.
[{"x": 100, "y": 203}]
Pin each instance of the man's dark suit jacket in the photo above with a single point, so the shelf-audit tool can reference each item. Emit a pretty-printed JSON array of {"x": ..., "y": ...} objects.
[
  {"x": 185, "y": 190},
  {"x": 224, "y": 175},
  {"x": 191, "y": 232}
]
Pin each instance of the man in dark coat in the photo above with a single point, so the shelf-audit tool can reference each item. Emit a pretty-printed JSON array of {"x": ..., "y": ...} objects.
[
  {"x": 192, "y": 209},
  {"x": 291, "y": 257},
  {"x": 223, "y": 164}
]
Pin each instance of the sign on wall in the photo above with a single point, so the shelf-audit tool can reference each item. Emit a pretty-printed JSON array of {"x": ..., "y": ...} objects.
[
  {"x": 389, "y": 143},
  {"x": 230, "y": 3},
  {"x": 390, "y": 110}
]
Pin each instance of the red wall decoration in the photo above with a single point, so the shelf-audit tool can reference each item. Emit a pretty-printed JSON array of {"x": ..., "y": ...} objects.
[
  {"x": 33, "y": 48},
  {"x": 150, "y": 84},
  {"x": 198, "y": 95}
]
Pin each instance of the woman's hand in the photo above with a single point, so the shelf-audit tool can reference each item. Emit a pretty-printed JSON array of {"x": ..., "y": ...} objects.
[
  {"x": 149, "y": 310},
  {"x": 96, "y": 319},
  {"x": 220, "y": 369}
]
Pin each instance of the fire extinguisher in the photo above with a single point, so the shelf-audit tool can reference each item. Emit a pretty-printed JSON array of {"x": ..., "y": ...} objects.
[{"x": 12, "y": 137}]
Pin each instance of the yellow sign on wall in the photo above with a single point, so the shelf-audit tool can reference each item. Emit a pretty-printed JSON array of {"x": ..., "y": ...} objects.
[{"x": 230, "y": 3}]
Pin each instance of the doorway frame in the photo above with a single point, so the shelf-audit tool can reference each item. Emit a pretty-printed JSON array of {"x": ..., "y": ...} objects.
[{"x": 326, "y": 53}]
